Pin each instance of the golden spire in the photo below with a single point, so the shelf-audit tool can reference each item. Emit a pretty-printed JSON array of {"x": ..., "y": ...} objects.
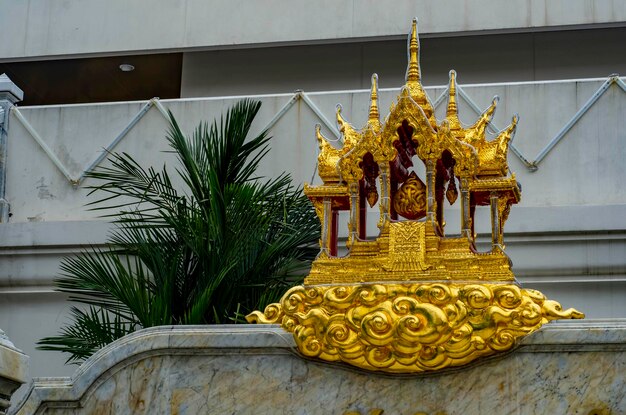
[
  {"x": 374, "y": 116},
  {"x": 413, "y": 77},
  {"x": 452, "y": 108},
  {"x": 452, "y": 112},
  {"x": 413, "y": 71}
]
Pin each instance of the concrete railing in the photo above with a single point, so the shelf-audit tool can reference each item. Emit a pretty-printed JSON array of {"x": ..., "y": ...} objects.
[{"x": 571, "y": 133}]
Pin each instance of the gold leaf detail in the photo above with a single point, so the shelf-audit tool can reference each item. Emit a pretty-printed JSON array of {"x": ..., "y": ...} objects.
[
  {"x": 410, "y": 327},
  {"x": 451, "y": 192}
]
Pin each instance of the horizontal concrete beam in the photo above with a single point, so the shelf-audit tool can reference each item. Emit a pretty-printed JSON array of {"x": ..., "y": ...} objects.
[
  {"x": 52, "y": 234},
  {"x": 54, "y": 28},
  {"x": 524, "y": 223}
]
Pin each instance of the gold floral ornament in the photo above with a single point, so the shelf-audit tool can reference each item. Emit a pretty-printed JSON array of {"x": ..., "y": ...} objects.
[{"x": 411, "y": 299}]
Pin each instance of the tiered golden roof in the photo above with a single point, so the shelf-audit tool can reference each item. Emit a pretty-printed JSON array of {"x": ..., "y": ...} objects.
[
  {"x": 455, "y": 157},
  {"x": 410, "y": 298}
]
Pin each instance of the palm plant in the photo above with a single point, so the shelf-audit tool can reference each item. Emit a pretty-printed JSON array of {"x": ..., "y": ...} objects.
[{"x": 227, "y": 244}]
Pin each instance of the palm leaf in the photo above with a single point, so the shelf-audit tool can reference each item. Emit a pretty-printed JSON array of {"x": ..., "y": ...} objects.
[{"x": 224, "y": 243}]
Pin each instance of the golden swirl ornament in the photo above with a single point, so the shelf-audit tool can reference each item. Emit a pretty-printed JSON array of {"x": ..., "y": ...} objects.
[{"x": 411, "y": 327}]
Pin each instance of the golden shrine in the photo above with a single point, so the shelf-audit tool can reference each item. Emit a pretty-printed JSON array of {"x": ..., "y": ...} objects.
[{"x": 412, "y": 299}]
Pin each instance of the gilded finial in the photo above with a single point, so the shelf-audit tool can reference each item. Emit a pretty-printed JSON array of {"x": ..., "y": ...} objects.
[
  {"x": 350, "y": 135},
  {"x": 476, "y": 134},
  {"x": 327, "y": 158},
  {"x": 413, "y": 71},
  {"x": 319, "y": 136},
  {"x": 452, "y": 108},
  {"x": 507, "y": 134},
  {"x": 488, "y": 115},
  {"x": 340, "y": 120},
  {"x": 452, "y": 112},
  {"x": 374, "y": 116},
  {"x": 413, "y": 77},
  {"x": 322, "y": 143}
]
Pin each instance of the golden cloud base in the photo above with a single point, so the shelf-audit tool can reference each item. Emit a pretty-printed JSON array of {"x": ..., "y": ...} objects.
[{"x": 410, "y": 327}]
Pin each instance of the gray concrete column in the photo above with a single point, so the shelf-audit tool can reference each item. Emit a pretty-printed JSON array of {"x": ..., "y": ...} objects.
[{"x": 10, "y": 94}]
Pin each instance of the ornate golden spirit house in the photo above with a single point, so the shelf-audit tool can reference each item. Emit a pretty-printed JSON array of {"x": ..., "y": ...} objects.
[{"x": 412, "y": 299}]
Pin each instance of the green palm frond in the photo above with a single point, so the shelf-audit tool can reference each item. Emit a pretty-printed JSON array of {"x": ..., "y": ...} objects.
[
  {"x": 223, "y": 244},
  {"x": 92, "y": 330}
]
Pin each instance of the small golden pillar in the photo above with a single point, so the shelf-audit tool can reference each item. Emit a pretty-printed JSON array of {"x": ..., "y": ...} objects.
[
  {"x": 413, "y": 299},
  {"x": 384, "y": 200},
  {"x": 430, "y": 187},
  {"x": 495, "y": 222},
  {"x": 326, "y": 226},
  {"x": 354, "y": 212},
  {"x": 466, "y": 227}
]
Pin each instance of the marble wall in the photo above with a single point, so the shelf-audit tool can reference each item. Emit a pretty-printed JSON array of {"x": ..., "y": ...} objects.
[{"x": 565, "y": 368}]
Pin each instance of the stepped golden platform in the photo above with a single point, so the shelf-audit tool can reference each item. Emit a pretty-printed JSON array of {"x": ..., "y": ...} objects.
[{"x": 412, "y": 299}]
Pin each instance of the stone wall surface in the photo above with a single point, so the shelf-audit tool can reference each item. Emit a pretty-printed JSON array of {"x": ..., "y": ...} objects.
[{"x": 565, "y": 368}]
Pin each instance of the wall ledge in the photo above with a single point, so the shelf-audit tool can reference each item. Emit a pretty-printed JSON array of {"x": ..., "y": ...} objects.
[{"x": 250, "y": 344}]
